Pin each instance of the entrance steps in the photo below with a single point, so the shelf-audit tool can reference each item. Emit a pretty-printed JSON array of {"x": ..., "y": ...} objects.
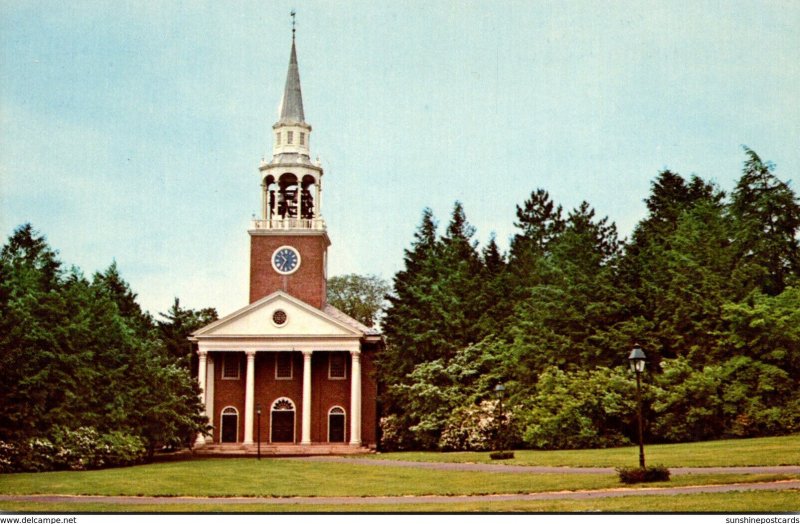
[{"x": 279, "y": 450}]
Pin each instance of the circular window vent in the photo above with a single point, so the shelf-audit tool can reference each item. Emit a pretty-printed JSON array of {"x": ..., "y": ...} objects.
[{"x": 279, "y": 317}]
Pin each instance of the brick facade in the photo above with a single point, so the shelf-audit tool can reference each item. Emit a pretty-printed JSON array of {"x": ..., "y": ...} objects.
[
  {"x": 325, "y": 394},
  {"x": 307, "y": 283}
]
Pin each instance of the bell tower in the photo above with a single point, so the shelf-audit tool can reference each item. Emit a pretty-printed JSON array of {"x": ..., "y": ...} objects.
[{"x": 289, "y": 242}]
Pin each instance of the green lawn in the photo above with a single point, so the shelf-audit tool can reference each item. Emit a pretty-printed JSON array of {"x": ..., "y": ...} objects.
[
  {"x": 764, "y": 501},
  {"x": 287, "y": 478},
  {"x": 770, "y": 451}
]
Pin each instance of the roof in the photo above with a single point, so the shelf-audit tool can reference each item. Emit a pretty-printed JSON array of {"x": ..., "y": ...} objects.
[
  {"x": 292, "y": 103},
  {"x": 350, "y": 321},
  {"x": 292, "y": 158},
  {"x": 254, "y": 320}
]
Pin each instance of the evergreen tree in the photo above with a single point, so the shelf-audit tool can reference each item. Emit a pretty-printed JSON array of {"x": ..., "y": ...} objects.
[
  {"x": 408, "y": 339},
  {"x": 174, "y": 331},
  {"x": 566, "y": 315},
  {"x": 540, "y": 221},
  {"x": 112, "y": 284},
  {"x": 766, "y": 216},
  {"x": 70, "y": 358},
  {"x": 435, "y": 307},
  {"x": 697, "y": 268}
]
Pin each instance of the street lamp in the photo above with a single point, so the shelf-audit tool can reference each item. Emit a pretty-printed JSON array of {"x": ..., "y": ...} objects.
[
  {"x": 637, "y": 359},
  {"x": 258, "y": 430},
  {"x": 499, "y": 390}
]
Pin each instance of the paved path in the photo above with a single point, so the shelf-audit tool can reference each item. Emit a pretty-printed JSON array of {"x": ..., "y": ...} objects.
[
  {"x": 337, "y": 501},
  {"x": 507, "y": 468}
]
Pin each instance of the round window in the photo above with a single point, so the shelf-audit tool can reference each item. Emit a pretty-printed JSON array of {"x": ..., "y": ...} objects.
[{"x": 279, "y": 317}]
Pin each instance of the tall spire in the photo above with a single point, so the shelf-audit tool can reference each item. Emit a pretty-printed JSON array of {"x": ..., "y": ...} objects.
[{"x": 292, "y": 104}]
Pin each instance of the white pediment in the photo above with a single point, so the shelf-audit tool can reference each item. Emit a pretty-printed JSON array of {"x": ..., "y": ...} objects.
[{"x": 258, "y": 320}]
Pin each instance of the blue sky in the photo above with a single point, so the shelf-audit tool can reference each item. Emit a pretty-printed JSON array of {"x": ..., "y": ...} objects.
[{"x": 132, "y": 131}]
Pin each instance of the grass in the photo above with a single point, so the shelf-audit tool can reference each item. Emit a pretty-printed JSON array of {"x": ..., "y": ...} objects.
[
  {"x": 769, "y": 451},
  {"x": 760, "y": 502},
  {"x": 288, "y": 478}
]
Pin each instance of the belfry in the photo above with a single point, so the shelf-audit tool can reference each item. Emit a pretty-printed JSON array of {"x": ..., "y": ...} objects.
[{"x": 288, "y": 366}]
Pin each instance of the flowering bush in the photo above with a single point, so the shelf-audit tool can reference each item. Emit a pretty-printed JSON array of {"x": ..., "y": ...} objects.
[
  {"x": 83, "y": 448},
  {"x": 471, "y": 428}
]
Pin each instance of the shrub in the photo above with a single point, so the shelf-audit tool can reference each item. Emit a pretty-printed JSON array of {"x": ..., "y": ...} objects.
[
  {"x": 581, "y": 409},
  {"x": 470, "y": 428},
  {"x": 120, "y": 449},
  {"x": 501, "y": 455},
  {"x": 648, "y": 474},
  {"x": 83, "y": 448},
  {"x": 35, "y": 454}
]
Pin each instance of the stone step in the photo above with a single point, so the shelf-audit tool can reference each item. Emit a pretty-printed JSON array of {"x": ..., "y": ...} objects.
[{"x": 282, "y": 450}]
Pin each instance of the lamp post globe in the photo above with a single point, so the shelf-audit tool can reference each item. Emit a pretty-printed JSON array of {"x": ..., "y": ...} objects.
[{"x": 637, "y": 359}]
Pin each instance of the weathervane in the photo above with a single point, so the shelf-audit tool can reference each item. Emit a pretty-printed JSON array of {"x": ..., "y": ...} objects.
[{"x": 293, "y": 13}]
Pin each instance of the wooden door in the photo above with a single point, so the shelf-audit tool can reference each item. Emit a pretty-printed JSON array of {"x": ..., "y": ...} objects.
[
  {"x": 283, "y": 426},
  {"x": 336, "y": 427},
  {"x": 229, "y": 427}
]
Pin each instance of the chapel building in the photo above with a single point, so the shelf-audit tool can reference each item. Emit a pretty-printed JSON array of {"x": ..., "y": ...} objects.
[{"x": 298, "y": 365}]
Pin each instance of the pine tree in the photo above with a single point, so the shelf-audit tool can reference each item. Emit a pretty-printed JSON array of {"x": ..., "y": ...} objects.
[
  {"x": 577, "y": 299},
  {"x": 70, "y": 358},
  {"x": 766, "y": 216}
]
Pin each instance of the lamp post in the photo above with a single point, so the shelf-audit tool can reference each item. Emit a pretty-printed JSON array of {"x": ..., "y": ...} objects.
[
  {"x": 637, "y": 359},
  {"x": 499, "y": 390},
  {"x": 258, "y": 430}
]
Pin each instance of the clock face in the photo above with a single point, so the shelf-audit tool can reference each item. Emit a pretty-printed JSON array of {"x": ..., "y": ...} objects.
[{"x": 286, "y": 260}]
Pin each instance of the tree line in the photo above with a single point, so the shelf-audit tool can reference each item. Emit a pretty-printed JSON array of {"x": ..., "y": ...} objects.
[
  {"x": 707, "y": 284},
  {"x": 89, "y": 378}
]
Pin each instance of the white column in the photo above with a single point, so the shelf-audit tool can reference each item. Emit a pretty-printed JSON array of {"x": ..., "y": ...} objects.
[
  {"x": 201, "y": 379},
  {"x": 249, "y": 397},
  {"x": 210, "y": 394},
  {"x": 306, "y": 429},
  {"x": 264, "y": 201},
  {"x": 316, "y": 200},
  {"x": 319, "y": 200},
  {"x": 355, "y": 399}
]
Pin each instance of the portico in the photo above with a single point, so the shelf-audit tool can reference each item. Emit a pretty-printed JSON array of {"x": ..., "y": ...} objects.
[
  {"x": 312, "y": 361},
  {"x": 207, "y": 394}
]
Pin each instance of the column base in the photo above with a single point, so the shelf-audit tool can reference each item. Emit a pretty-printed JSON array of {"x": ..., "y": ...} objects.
[
  {"x": 355, "y": 443},
  {"x": 305, "y": 443}
]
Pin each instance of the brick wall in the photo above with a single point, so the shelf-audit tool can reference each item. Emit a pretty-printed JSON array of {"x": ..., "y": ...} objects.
[
  {"x": 325, "y": 394},
  {"x": 307, "y": 283}
]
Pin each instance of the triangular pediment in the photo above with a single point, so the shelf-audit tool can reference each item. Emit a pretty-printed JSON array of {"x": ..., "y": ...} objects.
[{"x": 259, "y": 319}]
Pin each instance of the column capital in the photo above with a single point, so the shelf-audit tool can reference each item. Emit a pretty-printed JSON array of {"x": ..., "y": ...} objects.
[
  {"x": 355, "y": 353},
  {"x": 250, "y": 353},
  {"x": 308, "y": 352},
  {"x": 202, "y": 353}
]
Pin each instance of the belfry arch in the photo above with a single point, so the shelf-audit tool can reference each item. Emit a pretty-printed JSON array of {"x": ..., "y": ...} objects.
[{"x": 290, "y": 197}]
